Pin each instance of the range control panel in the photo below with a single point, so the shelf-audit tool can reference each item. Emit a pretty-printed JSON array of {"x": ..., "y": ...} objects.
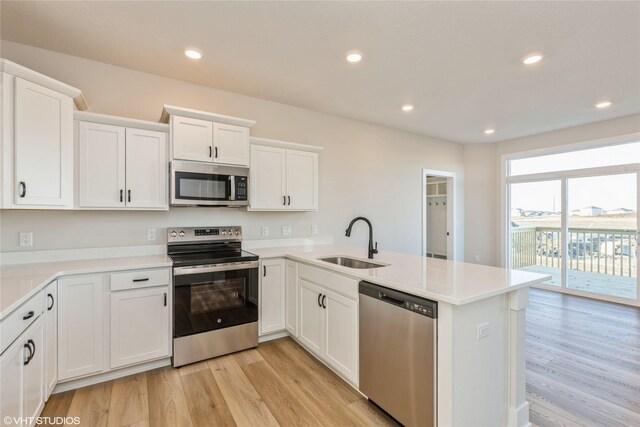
[{"x": 200, "y": 234}]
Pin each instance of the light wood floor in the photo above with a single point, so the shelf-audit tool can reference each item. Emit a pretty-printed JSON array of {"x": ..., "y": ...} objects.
[
  {"x": 277, "y": 384},
  {"x": 583, "y": 361}
]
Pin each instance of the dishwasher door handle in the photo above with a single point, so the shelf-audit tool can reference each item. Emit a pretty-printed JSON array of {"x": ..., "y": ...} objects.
[{"x": 390, "y": 299}]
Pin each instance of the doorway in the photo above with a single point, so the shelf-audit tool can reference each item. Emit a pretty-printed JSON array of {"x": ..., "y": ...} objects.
[{"x": 438, "y": 214}]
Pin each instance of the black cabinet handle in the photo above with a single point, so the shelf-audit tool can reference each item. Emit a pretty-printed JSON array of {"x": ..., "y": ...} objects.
[
  {"x": 319, "y": 303},
  {"x": 289, "y": 197},
  {"x": 128, "y": 195},
  {"x": 146, "y": 279},
  {"x": 28, "y": 316},
  {"x": 23, "y": 189},
  {"x": 264, "y": 271},
  {"x": 121, "y": 196},
  {"x": 216, "y": 151},
  {"x": 210, "y": 153},
  {"x": 52, "y": 302},
  {"x": 165, "y": 299},
  {"x": 284, "y": 200},
  {"x": 28, "y": 347},
  {"x": 324, "y": 299}
]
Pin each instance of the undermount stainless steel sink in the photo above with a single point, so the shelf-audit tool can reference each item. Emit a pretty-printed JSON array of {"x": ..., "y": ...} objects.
[{"x": 352, "y": 262}]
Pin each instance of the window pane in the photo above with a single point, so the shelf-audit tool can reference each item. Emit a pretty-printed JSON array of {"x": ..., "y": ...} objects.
[
  {"x": 602, "y": 243},
  {"x": 594, "y": 157},
  {"x": 535, "y": 228}
]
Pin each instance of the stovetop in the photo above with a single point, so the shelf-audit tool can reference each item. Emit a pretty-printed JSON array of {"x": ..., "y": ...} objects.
[
  {"x": 212, "y": 257},
  {"x": 189, "y": 246}
]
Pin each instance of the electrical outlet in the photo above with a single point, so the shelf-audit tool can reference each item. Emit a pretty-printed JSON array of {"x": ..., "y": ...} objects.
[
  {"x": 482, "y": 330},
  {"x": 476, "y": 259},
  {"x": 264, "y": 231},
  {"x": 26, "y": 238},
  {"x": 151, "y": 234},
  {"x": 314, "y": 230},
  {"x": 286, "y": 230}
]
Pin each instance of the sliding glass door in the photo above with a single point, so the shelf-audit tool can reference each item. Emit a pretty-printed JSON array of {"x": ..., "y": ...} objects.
[{"x": 579, "y": 226}]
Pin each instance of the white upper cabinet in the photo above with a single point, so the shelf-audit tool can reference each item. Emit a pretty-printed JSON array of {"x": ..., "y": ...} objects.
[
  {"x": 146, "y": 169},
  {"x": 267, "y": 183},
  {"x": 230, "y": 144},
  {"x": 37, "y": 139},
  {"x": 283, "y": 176},
  {"x": 207, "y": 137},
  {"x": 302, "y": 180},
  {"x": 120, "y": 166},
  {"x": 101, "y": 154},
  {"x": 192, "y": 139}
]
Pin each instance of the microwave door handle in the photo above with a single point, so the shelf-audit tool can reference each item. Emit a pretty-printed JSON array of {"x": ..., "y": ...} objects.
[{"x": 232, "y": 184}]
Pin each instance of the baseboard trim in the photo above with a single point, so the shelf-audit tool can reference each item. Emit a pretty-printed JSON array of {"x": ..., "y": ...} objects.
[
  {"x": 520, "y": 415},
  {"x": 273, "y": 336},
  {"x": 111, "y": 375}
]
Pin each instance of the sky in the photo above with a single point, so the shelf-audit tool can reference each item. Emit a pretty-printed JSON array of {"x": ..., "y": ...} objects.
[{"x": 607, "y": 192}]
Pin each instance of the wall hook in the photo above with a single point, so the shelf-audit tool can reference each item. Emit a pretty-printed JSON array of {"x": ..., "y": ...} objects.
[
  {"x": 444, "y": 203},
  {"x": 436, "y": 203}
]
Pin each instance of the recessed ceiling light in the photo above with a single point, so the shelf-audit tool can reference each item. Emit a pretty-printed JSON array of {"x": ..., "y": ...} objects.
[
  {"x": 532, "y": 58},
  {"x": 489, "y": 131},
  {"x": 603, "y": 104},
  {"x": 407, "y": 107},
  {"x": 193, "y": 54},
  {"x": 354, "y": 56}
]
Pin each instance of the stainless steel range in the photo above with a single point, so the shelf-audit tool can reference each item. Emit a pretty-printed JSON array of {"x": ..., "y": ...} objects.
[{"x": 215, "y": 293}]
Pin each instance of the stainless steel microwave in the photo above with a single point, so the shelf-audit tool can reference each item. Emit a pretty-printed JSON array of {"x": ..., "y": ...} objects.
[{"x": 202, "y": 184}]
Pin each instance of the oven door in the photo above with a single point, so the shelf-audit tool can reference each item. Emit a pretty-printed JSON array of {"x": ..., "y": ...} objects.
[
  {"x": 214, "y": 297},
  {"x": 201, "y": 184}
]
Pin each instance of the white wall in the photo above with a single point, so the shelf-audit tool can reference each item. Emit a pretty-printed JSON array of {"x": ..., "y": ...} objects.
[
  {"x": 365, "y": 169},
  {"x": 482, "y": 165}
]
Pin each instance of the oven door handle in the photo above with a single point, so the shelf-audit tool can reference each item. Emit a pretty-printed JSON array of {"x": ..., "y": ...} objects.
[{"x": 180, "y": 271}]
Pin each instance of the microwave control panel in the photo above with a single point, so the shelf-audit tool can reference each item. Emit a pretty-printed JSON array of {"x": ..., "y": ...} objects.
[{"x": 241, "y": 188}]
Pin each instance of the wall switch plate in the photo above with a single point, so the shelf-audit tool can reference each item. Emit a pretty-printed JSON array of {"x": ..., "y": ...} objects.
[
  {"x": 314, "y": 230},
  {"x": 26, "y": 238},
  {"x": 264, "y": 231},
  {"x": 151, "y": 234},
  {"x": 286, "y": 230},
  {"x": 482, "y": 330},
  {"x": 476, "y": 259}
]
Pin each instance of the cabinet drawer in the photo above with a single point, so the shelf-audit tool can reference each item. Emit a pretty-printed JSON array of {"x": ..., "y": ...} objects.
[
  {"x": 140, "y": 279},
  {"x": 15, "y": 323},
  {"x": 336, "y": 282}
]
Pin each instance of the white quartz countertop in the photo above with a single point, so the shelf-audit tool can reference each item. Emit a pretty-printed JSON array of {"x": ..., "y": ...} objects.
[
  {"x": 452, "y": 282},
  {"x": 19, "y": 282}
]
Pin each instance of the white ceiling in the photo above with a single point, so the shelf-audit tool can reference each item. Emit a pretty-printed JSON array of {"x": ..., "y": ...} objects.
[{"x": 458, "y": 62}]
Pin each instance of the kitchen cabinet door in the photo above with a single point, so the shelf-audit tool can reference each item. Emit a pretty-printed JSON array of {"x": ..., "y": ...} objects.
[
  {"x": 272, "y": 296},
  {"x": 101, "y": 158},
  {"x": 33, "y": 376},
  {"x": 191, "y": 139},
  {"x": 139, "y": 325},
  {"x": 291, "y": 297},
  {"x": 302, "y": 180},
  {"x": 43, "y": 143},
  {"x": 11, "y": 380},
  {"x": 311, "y": 327},
  {"x": 230, "y": 144},
  {"x": 80, "y": 326},
  {"x": 267, "y": 184},
  {"x": 51, "y": 339},
  {"x": 341, "y": 334},
  {"x": 147, "y": 171}
]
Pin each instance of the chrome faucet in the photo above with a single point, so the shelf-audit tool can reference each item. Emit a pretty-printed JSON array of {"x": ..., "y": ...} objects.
[{"x": 372, "y": 250}]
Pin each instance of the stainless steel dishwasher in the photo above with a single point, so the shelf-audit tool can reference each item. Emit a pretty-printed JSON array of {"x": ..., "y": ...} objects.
[{"x": 398, "y": 344}]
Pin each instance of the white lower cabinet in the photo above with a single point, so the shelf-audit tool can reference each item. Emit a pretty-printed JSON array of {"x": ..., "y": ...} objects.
[
  {"x": 22, "y": 375},
  {"x": 272, "y": 296},
  {"x": 80, "y": 325},
  {"x": 291, "y": 297},
  {"x": 139, "y": 325},
  {"x": 51, "y": 339},
  {"x": 328, "y": 326}
]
